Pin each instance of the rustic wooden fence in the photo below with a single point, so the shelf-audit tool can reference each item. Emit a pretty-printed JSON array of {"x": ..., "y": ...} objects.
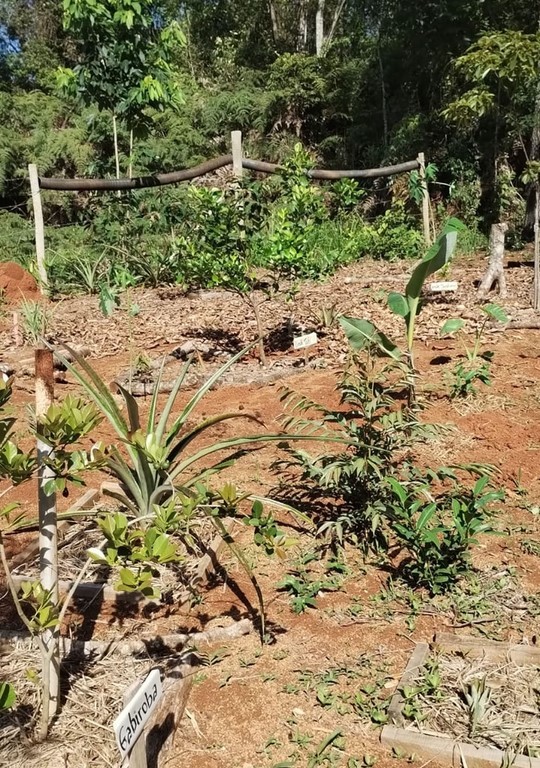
[{"x": 236, "y": 160}]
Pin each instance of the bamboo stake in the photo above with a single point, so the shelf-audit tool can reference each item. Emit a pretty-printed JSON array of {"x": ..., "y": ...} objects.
[
  {"x": 425, "y": 197},
  {"x": 48, "y": 538},
  {"x": 38, "y": 227}
]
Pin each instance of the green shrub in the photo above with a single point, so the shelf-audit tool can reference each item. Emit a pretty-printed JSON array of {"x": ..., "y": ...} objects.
[
  {"x": 16, "y": 238},
  {"x": 436, "y": 532},
  {"x": 345, "y": 490},
  {"x": 395, "y": 236}
]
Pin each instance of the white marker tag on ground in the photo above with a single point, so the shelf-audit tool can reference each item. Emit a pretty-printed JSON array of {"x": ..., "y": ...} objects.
[
  {"x": 442, "y": 287},
  {"x": 307, "y": 340}
]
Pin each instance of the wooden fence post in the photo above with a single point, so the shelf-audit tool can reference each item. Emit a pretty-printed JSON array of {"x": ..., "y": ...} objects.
[
  {"x": 236, "y": 146},
  {"x": 425, "y": 198},
  {"x": 48, "y": 529},
  {"x": 38, "y": 227}
]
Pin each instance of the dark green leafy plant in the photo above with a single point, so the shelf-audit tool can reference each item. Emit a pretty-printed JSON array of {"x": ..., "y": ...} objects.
[
  {"x": 437, "y": 532},
  {"x": 345, "y": 492},
  {"x": 415, "y": 182},
  {"x": 394, "y": 236},
  {"x": 266, "y": 533},
  {"x": 345, "y": 195},
  {"x": 303, "y": 591},
  {"x": 139, "y": 547}
]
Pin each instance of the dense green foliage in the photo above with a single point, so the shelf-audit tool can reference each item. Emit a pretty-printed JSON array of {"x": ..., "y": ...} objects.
[{"x": 357, "y": 83}]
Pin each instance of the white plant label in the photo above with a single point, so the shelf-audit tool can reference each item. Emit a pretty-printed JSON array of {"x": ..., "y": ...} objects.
[
  {"x": 307, "y": 340},
  {"x": 442, "y": 287},
  {"x": 130, "y": 722}
]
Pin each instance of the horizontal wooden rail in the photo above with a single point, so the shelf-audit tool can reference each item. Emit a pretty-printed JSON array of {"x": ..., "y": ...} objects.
[
  {"x": 141, "y": 182},
  {"x": 160, "y": 179},
  {"x": 318, "y": 173}
]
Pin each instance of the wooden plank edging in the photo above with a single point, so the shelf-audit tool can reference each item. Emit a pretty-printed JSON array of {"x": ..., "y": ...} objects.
[{"x": 444, "y": 749}]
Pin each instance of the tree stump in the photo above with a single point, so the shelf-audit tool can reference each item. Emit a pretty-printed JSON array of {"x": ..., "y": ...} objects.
[{"x": 495, "y": 270}]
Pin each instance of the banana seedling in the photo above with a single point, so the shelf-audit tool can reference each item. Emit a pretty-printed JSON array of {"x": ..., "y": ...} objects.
[{"x": 363, "y": 334}]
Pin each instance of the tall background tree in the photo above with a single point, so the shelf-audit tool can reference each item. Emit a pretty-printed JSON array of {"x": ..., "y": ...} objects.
[{"x": 359, "y": 82}]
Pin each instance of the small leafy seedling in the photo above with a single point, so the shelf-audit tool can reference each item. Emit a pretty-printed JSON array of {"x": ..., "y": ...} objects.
[
  {"x": 303, "y": 591},
  {"x": 477, "y": 696},
  {"x": 476, "y": 367}
]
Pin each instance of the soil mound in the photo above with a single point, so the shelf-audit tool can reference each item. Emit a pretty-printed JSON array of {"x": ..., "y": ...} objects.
[{"x": 16, "y": 283}]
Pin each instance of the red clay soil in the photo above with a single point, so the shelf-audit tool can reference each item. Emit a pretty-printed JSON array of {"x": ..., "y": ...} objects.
[
  {"x": 256, "y": 706},
  {"x": 16, "y": 283}
]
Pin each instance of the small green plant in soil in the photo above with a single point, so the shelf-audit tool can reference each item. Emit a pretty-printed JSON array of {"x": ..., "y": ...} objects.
[
  {"x": 35, "y": 320},
  {"x": 477, "y": 696},
  {"x": 429, "y": 685},
  {"x": 358, "y": 689},
  {"x": 61, "y": 428},
  {"x": 407, "y": 305},
  {"x": 303, "y": 590},
  {"x": 476, "y": 368},
  {"x": 267, "y": 534},
  {"x": 162, "y": 483},
  {"x": 155, "y": 461},
  {"x": 437, "y": 532}
]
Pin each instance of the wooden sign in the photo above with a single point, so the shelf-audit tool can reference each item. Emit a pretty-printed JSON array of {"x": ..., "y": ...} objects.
[{"x": 129, "y": 724}]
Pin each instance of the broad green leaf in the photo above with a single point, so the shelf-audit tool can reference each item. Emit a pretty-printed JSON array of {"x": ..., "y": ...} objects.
[
  {"x": 398, "y": 304},
  {"x": 451, "y": 326},
  {"x": 128, "y": 580},
  {"x": 7, "y": 695},
  {"x": 480, "y": 485},
  {"x": 108, "y": 300},
  {"x": 496, "y": 313},
  {"x": 426, "y": 516},
  {"x": 437, "y": 256},
  {"x": 362, "y": 334}
]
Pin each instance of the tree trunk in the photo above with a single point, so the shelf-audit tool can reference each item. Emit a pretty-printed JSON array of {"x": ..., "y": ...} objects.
[
  {"x": 495, "y": 271},
  {"x": 319, "y": 28},
  {"x": 252, "y": 299},
  {"x": 383, "y": 97},
  {"x": 274, "y": 20},
  {"x": 302, "y": 27},
  {"x": 130, "y": 168},
  {"x": 335, "y": 19},
  {"x": 530, "y": 211}
]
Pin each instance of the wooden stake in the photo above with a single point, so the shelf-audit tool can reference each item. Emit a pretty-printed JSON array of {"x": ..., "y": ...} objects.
[
  {"x": 17, "y": 333},
  {"x": 38, "y": 227},
  {"x": 425, "y": 198},
  {"x": 236, "y": 146},
  {"x": 48, "y": 527},
  {"x": 536, "y": 297}
]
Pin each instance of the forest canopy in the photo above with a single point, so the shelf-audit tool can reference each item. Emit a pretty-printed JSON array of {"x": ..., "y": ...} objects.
[{"x": 122, "y": 87}]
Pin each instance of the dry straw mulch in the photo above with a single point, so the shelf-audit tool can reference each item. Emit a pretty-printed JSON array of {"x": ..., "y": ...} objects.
[{"x": 511, "y": 720}]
